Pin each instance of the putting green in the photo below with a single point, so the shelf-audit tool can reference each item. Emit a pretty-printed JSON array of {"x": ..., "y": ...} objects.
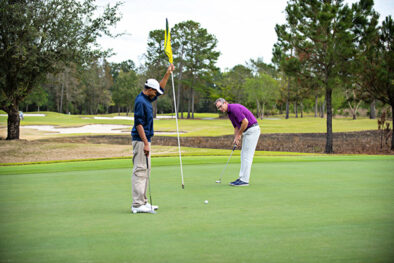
[{"x": 297, "y": 209}]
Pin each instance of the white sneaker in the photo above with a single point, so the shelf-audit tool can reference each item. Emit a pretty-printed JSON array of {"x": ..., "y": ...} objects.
[
  {"x": 142, "y": 209},
  {"x": 155, "y": 207}
]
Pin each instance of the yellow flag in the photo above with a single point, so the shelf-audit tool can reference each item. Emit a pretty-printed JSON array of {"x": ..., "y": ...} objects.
[{"x": 167, "y": 43}]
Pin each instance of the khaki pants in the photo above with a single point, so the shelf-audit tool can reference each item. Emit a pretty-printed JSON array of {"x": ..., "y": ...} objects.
[{"x": 140, "y": 177}]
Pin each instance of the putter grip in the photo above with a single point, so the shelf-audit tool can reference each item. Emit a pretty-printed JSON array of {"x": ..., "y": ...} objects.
[{"x": 235, "y": 146}]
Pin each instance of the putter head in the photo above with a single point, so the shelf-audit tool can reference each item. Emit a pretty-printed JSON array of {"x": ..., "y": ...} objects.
[{"x": 218, "y": 181}]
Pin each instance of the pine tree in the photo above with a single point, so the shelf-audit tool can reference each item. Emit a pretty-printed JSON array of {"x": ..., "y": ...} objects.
[{"x": 319, "y": 34}]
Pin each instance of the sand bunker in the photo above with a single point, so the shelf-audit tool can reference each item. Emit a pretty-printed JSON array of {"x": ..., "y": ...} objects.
[
  {"x": 27, "y": 115},
  {"x": 128, "y": 118},
  {"x": 113, "y": 118},
  {"x": 92, "y": 128}
]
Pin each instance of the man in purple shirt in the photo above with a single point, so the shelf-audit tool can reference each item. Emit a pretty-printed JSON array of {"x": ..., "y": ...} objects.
[{"x": 245, "y": 126}]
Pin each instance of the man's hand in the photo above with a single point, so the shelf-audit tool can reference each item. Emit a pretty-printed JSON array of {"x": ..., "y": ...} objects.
[
  {"x": 238, "y": 131},
  {"x": 170, "y": 68},
  {"x": 237, "y": 138},
  {"x": 141, "y": 133},
  {"x": 146, "y": 149}
]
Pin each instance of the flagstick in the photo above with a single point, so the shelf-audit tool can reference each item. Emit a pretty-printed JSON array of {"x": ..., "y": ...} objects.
[{"x": 177, "y": 130}]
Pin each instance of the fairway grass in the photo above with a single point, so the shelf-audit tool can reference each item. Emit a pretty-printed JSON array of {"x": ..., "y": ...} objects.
[
  {"x": 297, "y": 209},
  {"x": 199, "y": 127}
]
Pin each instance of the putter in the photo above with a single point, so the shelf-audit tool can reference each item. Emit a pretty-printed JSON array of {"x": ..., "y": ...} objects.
[
  {"x": 150, "y": 193},
  {"x": 220, "y": 179}
]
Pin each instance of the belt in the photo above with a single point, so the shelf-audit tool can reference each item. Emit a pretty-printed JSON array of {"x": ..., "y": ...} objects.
[{"x": 255, "y": 124}]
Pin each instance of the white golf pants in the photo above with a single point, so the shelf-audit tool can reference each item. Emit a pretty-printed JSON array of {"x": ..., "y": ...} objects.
[
  {"x": 140, "y": 177},
  {"x": 249, "y": 143}
]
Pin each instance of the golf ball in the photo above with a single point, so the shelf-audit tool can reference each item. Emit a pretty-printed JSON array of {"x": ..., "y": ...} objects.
[
  {"x": 134, "y": 212},
  {"x": 206, "y": 201}
]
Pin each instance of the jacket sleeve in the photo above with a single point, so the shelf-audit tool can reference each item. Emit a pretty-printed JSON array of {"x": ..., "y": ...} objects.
[{"x": 139, "y": 114}]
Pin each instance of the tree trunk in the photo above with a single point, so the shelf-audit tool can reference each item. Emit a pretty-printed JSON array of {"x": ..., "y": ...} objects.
[
  {"x": 67, "y": 95},
  {"x": 296, "y": 109},
  {"x": 287, "y": 99},
  {"x": 353, "y": 111},
  {"x": 258, "y": 108},
  {"x": 302, "y": 110},
  {"x": 179, "y": 90},
  {"x": 189, "y": 104},
  {"x": 316, "y": 106},
  {"x": 356, "y": 110},
  {"x": 13, "y": 123},
  {"x": 61, "y": 99},
  {"x": 262, "y": 112},
  {"x": 67, "y": 98},
  {"x": 192, "y": 104},
  {"x": 392, "y": 125},
  {"x": 181, "y": 108},
  {"x": 372, "y": 113},
  {"x": 287, "y": 108},
  {"x": 322, "y": 109},
  {"x": 329, "y": 138}
]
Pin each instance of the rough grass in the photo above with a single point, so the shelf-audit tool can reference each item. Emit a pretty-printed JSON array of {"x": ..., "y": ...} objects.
[
  {"x": 297, "y": 209},
  {"x": 23, "y": 151}
]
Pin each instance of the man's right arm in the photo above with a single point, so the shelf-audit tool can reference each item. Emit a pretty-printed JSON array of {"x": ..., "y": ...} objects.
[
  {"x": 240, "y": 130},
  {"x": 163, "y": 82},
  {"x": 236, "y": 131},
  {"x": 141, "y": 133}
]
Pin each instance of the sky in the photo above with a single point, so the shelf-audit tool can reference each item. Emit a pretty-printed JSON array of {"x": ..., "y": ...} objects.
[{"x": 245, "y": 29}]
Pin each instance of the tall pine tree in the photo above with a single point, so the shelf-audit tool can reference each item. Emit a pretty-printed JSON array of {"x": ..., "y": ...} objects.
[{"x": 319, "y": 32}]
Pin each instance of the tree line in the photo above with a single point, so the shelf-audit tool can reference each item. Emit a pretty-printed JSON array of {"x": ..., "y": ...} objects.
[{"x": 330, "y": 58}]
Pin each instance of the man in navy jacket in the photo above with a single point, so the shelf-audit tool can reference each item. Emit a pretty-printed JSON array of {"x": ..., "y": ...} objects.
[{"x": 142, "y": 133}]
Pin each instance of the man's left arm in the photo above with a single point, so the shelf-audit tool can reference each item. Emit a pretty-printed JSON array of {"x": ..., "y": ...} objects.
[{"x": 163, "y": 82}]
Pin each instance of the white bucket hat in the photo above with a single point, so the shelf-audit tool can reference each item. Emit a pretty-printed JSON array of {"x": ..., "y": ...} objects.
[{"x": 153, "y": 84}]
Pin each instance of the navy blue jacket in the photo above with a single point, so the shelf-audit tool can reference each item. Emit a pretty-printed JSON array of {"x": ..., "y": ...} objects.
[{"x": 143, "y": 114}]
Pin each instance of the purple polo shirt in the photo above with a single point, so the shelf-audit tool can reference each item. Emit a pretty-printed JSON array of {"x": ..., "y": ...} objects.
[{"x": 238, "y": 112}]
